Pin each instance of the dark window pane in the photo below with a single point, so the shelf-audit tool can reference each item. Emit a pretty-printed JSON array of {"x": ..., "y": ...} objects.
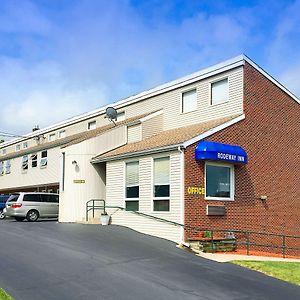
[
  {"x": 44, "y": 198},
  {"x": 161, "y": 205},
  {"x": 132, "y": 205},
  {"x": 54, "y": 198},
  {"x": 32, "y": 198},
  {"x": 162, "y": 190},
  {"x": 44, "y": 154},
  {"x": 217, "y": 181},
  {"x": 132, "y": 192}
]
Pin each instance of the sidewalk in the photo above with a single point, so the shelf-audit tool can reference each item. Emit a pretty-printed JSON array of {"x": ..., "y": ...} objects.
[{"x": 218, "y": 257}]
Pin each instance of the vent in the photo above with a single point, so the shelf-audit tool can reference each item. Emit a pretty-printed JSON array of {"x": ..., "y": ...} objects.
[{"x": 215, "y": 210}]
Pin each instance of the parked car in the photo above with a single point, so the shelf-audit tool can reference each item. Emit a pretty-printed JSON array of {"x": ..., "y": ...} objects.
[
  {"x": 32, "y": 206},
  {"x": 3, "y": 199}
]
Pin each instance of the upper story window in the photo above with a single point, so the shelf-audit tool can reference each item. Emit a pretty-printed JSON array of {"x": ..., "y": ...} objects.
[
  {"x": 25, "y": 145},
  {"x": 92, "y": 125},
  {"x": 25, "y": 162},
  {"x": 189, "y": 101},
  {"x": 44, "y": 159},
  {"x": 33, "y": 160},
  {"x": 52, "y": 137},
  {"x": 7, "y": 167},
  {"x": 1, "y": 168},
  {"x": 62, "y": 134},
  {"x": 161, "y": 188},
  {"x": 132, "y": 186},
  {"x": 219, "y": 91},
  {"x": 219, "y": 181},
  {"x": 121, "y": 116},
  {"x": 18, "y": 147}
]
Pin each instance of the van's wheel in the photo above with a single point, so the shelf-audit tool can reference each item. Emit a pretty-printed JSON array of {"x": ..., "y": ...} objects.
[
  {"x": 19, "y": 219},
  {"x": 32, "y": 215},
  {"x": 2, "y": 215}
]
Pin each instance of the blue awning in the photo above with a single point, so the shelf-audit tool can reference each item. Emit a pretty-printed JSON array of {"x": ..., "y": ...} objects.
[{"x": 206, "y": 150}]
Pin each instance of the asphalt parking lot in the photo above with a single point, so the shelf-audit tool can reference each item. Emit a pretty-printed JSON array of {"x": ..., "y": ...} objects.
[{"x": 48, "y": 260}]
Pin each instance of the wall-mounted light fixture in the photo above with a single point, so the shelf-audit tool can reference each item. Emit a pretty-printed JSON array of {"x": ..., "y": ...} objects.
[
  {"x": 74, "y": 162},
  {"x": 263, "y": 197}
]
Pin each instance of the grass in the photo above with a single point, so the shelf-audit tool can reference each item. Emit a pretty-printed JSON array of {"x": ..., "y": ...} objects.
[
  {"x": 4, "y": 295},
  {"x": 287, "y": 271}
]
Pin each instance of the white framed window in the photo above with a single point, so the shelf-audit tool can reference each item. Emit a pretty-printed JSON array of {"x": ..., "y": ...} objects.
[
  {"x": 7, "y": 167},
  {"x": 25, "y": 145},
  {"x": 44, "y": 159},
  {"x": 52, "y": 137},
  {"x": 1, "y": 168},
  {"x": 121, "y": 116},
  {"x": 18, "y": 147},
  {"x": 4, "y": 151},
  {"x": 33, "y": 158},
  {"x": 91, "y": 125},
  {"x": 219, "y": 91},
  {"x": 189, "y": 101},
  {"x": 161, "y": 184},
  {"x": 25, "y": 162},
  {"x": 219, "y": 181},
  {"x": 132, "y": 189},
  {"x": 62, "y": 134}
]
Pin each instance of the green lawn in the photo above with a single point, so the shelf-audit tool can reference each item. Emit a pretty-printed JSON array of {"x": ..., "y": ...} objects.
[
  {"x": 4, "y": 296},
  {"x": 287, "y": 271}
]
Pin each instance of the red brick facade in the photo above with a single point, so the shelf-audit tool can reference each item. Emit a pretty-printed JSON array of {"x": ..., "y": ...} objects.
[{"x": 270, "y": 134}]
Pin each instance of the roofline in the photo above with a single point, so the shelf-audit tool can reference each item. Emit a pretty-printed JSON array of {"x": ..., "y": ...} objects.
[
  {"x": 171, "y": 147},
  {"x": 202, "y": 74},
  {"x": 138, "y": 153},
  {"x": 213, "y": 131}
]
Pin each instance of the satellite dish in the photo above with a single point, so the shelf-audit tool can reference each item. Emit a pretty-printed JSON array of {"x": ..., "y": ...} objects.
[{"x": 111, "y": 114}]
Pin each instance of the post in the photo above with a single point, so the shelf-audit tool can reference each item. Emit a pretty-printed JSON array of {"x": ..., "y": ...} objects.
[
  {"x": 283, "y": 246},
  {"x": 212, "y": 241},
  {"x": 248, "y": 241},
  {"x": 93, "y": 209}
]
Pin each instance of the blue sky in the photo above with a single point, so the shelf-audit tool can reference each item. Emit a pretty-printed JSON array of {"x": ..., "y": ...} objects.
[{"x": 60, "y": 58}]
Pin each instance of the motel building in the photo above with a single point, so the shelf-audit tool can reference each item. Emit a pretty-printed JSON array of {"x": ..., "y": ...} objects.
[{"x": 215, "y": 149}]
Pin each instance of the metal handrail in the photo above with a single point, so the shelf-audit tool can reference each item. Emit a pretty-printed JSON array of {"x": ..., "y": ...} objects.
[
  {"x": 94, "y": 207},
  {"x": 246, "y": 233}
]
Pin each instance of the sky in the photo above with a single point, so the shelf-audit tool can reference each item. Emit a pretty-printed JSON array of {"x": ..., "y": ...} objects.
[{"x": 61, "y": 58}]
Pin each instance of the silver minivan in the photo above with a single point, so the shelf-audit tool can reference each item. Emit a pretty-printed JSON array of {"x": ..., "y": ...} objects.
[{"x": 32, "y": 206}]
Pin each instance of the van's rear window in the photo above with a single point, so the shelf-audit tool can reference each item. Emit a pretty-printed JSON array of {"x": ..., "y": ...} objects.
[{"x": 13, "y": 198}]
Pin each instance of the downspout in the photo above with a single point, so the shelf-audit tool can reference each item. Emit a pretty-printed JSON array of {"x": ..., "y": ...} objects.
[{"x": 181, "y": 193}]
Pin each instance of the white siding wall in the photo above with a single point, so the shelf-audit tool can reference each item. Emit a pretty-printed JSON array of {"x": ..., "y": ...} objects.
[
  {"x": 33, "y": 176},
  {"x": 75, "y": 195},
  {"x": 152, "y": 126},
  {"x": 115, "y": 196}
]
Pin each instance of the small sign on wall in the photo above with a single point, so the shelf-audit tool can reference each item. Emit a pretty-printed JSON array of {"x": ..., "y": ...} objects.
[
  {"x": 78, "y": 181},
  {"x": 193, "y": 190}
]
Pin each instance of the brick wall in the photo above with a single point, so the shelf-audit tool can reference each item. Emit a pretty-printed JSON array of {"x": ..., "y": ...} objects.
[{"x": 271, "y": 136}]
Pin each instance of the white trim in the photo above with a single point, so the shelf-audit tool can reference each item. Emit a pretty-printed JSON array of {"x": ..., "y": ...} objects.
[
  {"x": 262, "y": 71},
  {"x": 157, "y": 113},
  {"x": 232, "y": 181},
  {"x": 182, "y": 191},
  {"x": 213, "y": 130}
]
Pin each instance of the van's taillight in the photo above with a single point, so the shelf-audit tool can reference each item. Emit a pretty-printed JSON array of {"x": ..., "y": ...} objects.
[{"x": 16, "y": 205}]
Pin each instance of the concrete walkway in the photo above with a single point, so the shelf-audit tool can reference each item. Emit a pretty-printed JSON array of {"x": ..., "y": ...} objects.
[{"x": 229, "y": 257}]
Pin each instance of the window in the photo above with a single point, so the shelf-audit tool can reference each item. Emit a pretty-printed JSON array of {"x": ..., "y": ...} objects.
[
  {"x": 219, "y": 181},
  {"x": 44, "y": 159},
  {"x": 32, "y": 198},
  {"x": 52, "y": 137},
  {"x": 1, "y": 168},
  {"x": 132, "y": 186},
  {"x": 25, "y": 162},
  {"x": 121, "y": 116},
  {"x": 92, "y": 125},
  {"x": 189, "y": 101},
  {"x": 7, "y": 167},
  {"x": 219, "y": 91},
  {"x": 161, "y": 188},
  {"x": 18, "y": 147},
  {"x": 62, "y": 134},
  {"x": 25, "y": 145},
  {"x": 34, "y": 160}
]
